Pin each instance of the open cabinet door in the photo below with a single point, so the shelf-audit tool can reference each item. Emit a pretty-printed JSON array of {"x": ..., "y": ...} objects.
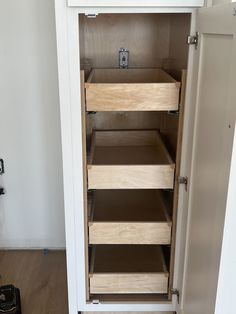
[{"x": 214, "y": 88}]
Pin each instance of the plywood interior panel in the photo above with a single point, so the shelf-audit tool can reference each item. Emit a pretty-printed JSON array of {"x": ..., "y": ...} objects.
[
  {"x": 129, "y": 217},
  {"x": 166, "y": 123},
  {"x": 111, "y": 167},
  {"x": 131, "y": 176},
  {"x": 130, "y": 233},
  {"x": 83, "y": 121},
  {"x": 178, "y": 49},
  {"x": 125, "y": 155},
  {"x": 127, "y": 138},
  {"x": 129, "y": 205},
  {"x": 154, "y": 298},
  {"x": 129, "y": 147},
  {"x": 146, "y": 36},
  {"x": 132, "y": 89},
  {"x": 169, "y": 130},
  {"x": 114, "y": 283},
  {"x": 128, "y": 259},
  {"x": 131, "y": 75},
  {"x": 153, "y": 40},
  {"x": 124, "y": 120}
]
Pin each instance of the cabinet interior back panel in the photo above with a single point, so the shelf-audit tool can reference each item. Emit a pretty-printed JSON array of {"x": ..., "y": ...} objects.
[
  {"x": 153, "y": 41},
  {"x": 166, "y": 123},
  {"x": 178, "y": 49},
  {"x": 150, "y": 38}
]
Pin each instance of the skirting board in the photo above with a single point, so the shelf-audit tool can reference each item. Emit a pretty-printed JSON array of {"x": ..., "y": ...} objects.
[{"x": 31, "y": 244}]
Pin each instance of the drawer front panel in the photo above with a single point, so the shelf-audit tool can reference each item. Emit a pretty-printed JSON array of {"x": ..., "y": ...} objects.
[
  {"x": 129, "y": 283},
  {"x": 131, "y": 177},
  {"x": 133, "y": 97},
  {"x": 129, "y": 233}
]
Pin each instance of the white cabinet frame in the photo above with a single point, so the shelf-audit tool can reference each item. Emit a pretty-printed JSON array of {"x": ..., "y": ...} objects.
[
  {"x": 133, "y": 3},
  {"x": 71, "y": 130}
]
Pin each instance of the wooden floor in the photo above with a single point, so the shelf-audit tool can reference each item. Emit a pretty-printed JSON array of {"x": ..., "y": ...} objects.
[{"x": 41, "y": 279}]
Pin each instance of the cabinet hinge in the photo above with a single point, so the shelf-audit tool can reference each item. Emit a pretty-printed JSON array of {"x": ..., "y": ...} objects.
[
  {"x": 183, "y": 180},
  {"x": 174, "y": 113},
  {"x": 91, "y": 15},
  {"x": 2, "y": 166},
  {"x": 175, "y": 292},
  {"x": 193, "y": 40}
]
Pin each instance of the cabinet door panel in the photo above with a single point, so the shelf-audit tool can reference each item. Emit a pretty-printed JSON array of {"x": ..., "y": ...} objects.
[{"x": 212, "y": 149}]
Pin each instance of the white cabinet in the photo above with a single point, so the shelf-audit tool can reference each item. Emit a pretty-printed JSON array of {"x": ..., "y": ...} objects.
[
  {"x": 147, "y": 131},
  {"x": 149, "y": 3}
]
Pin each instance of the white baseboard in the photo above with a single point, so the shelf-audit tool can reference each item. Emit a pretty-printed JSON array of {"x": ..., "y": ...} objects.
[{"x": 31, "y": 244}]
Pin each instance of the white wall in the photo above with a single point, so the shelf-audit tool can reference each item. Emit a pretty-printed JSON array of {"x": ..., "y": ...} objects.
[{"x": 31, "y": 212}]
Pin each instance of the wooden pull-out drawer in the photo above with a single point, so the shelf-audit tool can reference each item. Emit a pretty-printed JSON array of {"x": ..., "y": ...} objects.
[
  {"x": 129, "y": 217},
  {"x": 128, "y": 269},
  {"x": 129, "y": 160},
  {"x": 131, "y": 90}
]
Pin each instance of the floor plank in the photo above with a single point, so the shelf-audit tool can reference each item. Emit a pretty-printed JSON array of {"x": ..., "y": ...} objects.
[{"x": 41, "y": 279}]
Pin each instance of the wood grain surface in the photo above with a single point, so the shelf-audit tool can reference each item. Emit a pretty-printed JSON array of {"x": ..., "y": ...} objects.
[{"x": 40, "y": 278}]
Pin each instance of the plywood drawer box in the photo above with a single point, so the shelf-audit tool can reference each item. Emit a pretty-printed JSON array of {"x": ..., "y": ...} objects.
[
  {"x": 129, "y": 217},
  {"x": 129, "y": 160},
  {"x": 131, "y": 90},
  {"x": 127, "y": 269}
]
